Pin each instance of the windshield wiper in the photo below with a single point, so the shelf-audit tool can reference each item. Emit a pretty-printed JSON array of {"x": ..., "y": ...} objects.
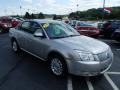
[
  {"x": 64, "y": 36},
  {"x": 73, "y": 35},
  {"x": 59, "y": 37}
]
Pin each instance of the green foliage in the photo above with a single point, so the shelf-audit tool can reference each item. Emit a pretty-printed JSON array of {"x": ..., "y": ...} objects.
[
  {"x": 96, "y": 14},
  {"x": 55, "y": 17},
  {"x": 41, "y": 16},
  {"x": 27, "y": 15},
  {"x": 32, "y": 16}
]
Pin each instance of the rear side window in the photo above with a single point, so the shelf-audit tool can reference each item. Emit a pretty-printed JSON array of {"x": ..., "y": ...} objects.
[
  {"x": 30, "y": 27},
  {"x": 115, "y": 24},
  {"x": 25, "y": 25},
  {"x": 35, "y": 26}
]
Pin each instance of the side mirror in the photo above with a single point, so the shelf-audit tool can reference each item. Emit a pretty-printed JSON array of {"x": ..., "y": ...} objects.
[{"x": 38, "y": 33}]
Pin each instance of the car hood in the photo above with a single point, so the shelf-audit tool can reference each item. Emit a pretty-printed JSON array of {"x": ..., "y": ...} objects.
[{"x": 84, "y": 43}]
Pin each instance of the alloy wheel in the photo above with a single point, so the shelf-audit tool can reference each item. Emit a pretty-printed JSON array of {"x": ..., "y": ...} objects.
[{"x": 56, "y": 66}]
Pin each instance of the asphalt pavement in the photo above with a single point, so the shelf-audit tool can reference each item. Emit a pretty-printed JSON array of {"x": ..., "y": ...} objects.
[{"x": 25, "y": 72}]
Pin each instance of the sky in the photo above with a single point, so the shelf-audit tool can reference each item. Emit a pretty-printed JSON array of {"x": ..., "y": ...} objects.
[{"x": 12, "y": 7}]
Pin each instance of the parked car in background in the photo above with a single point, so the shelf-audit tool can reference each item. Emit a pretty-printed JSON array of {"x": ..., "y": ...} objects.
[
  {"x": 15, "y": 22},
  {"x": 66, "y": 21},
  {"x": 86, "y": 29},
  {"x": 7, "y": 22},
  {"x": 116, "y": 35},
  {"x": 65, "y": 50},
  {"x": 19, "y": 18},
  {"x": 99, "y": 25},
  {"x": 73, "y": 23},
  {"x": 109, "y": 27}
]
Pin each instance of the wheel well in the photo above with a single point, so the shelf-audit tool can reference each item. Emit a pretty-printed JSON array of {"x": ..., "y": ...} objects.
[
  {"x": 12, "y": 39},
  {"x": 53, "y": 53}
]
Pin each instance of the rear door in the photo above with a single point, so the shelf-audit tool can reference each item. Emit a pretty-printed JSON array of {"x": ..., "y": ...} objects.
[
  {"x": 35, "y": 45},
  {"x": 21, "y": 33}
]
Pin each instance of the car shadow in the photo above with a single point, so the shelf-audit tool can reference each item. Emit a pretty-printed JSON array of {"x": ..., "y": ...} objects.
[{"x": 38, "y": 72}]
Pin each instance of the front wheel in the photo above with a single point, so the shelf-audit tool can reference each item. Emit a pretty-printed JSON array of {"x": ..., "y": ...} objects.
[
  {"x": 15, "y": 46},
  {"x": 1, "y": 30},
  {"x": 58, "y": 66}
]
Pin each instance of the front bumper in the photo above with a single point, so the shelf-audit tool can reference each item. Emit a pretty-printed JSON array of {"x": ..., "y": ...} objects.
[{"x": 88, "y": 68}]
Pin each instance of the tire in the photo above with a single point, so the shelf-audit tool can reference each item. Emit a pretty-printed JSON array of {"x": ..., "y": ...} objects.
[
  {"x": 15, "y": 46},
  {"x": 117, "y": 39},
  {"x": 1, "y": 30},
  {"x": 57, "y": 66}
]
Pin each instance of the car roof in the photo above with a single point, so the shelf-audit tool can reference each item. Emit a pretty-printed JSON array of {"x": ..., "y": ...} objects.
[{"x": 45, "y": 21}]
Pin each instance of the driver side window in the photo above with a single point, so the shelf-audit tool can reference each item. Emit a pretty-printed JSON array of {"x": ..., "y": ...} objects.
[
  {"x": 30, "y": 27},
  {"x": 35, "y": 26}
]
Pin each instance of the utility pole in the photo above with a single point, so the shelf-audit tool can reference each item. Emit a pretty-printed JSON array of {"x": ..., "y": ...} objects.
[
  {"x": 77, "y": 7},
  {"x": 103, "y": 10},
  {"x": 20, "y": 10},
  {"x": 103, "y": 4}
]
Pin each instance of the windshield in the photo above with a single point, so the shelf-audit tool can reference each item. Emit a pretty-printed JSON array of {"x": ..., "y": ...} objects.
[
  {"x": 116, "y": 24},
  {"x": 59, "y": 30},
  {"x": 82, "y": 24}
]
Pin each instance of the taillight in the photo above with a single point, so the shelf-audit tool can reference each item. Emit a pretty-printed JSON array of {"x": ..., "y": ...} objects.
[{"x": 97, "y": 31}]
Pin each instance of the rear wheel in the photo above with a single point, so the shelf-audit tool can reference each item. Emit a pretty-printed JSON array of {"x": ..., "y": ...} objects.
[
  {"x": 57, "y": 65},
  {"x": 15, "y": 46},
  {"x": 117, "y": 39},
  {"x": 1, "y": 30}
]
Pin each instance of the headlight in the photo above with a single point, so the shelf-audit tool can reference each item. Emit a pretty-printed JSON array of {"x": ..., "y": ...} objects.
[{"x": 85, "y": 56}]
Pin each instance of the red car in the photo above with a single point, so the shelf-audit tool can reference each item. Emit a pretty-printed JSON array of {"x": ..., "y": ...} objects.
[
  {"x": 7, "y": 22},
  {"x": 86, "y": 29}
]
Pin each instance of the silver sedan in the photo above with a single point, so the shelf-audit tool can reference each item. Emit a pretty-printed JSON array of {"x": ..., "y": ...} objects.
[{"x": 65, "y": 50}]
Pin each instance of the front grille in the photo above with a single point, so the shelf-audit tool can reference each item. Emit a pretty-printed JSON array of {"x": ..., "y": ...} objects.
[{"x": 104, "y": 56}]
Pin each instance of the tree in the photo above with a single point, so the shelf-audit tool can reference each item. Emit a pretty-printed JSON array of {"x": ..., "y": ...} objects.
[
  {"x": 32, "y": 16},
  {"x": 27, "y": 15},
  {"x": 96, "y": 14},
  {"x": 55, "y": 17},
  {"x": 41, "y": 16}
]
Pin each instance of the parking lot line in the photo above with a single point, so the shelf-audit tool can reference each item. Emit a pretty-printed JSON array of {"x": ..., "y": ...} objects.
[
  {"x": 118, "y": 49},
  {"x": 69, "y": 83},
  {"x": 116, "y": 73},
  {"x": 90, "y": 86},
  {"x": 111, "y": 82}
]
